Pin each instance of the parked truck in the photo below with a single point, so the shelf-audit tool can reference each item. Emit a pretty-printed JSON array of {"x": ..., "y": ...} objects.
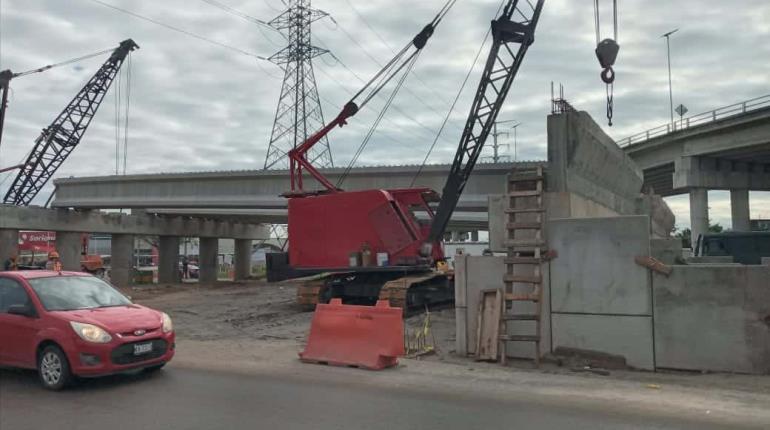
[{"x": 744, "y": 247}]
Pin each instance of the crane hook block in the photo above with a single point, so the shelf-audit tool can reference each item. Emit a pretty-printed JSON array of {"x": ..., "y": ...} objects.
[{"x": 607, "y": 52}]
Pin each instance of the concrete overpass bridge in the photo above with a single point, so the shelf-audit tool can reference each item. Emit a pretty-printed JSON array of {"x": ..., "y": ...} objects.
[
  {"x": 254, "y": 196},
  {"x": 724, "y": 149}
]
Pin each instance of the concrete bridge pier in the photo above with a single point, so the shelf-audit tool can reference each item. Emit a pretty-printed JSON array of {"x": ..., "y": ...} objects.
[
  {"x": 207, "y": 259},
  {"x": 699, "y": 213},
  {"x": 168, "y": 260},
  {"x": 741, "y": 214},
  {"x": 122, "y": 264},
  {"x": 243, "y": 249},
  {"x": 69, "y": 245},
  {"x": 9, "y": 244}
]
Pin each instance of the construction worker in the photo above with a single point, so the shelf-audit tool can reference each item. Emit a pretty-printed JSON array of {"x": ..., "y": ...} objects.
[
  {"x": 11, "y": 264},
  {"x": 54, "y": 263}
]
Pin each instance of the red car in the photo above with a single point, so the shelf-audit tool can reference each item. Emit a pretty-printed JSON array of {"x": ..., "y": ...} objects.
[{"x": 70, "y": 324}]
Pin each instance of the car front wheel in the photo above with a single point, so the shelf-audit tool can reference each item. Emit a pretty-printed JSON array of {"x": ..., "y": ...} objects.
[{"x": 53, "y": 368}]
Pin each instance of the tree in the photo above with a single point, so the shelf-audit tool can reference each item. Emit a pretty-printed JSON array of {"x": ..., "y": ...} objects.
[{"x": 686, "y": 234}]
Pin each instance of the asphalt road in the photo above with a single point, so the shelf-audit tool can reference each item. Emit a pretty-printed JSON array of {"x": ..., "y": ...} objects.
[{"x": 179, "y": 398}]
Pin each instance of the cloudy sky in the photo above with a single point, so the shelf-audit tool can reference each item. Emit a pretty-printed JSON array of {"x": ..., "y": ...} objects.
[{"x": 196, "y": 105}]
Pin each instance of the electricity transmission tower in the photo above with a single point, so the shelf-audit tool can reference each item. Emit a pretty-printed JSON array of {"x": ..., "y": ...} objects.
[{"x": 299, "y": 109}]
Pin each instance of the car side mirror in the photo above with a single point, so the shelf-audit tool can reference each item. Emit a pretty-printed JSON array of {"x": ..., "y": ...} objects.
[{"x": 23, "y": 310}]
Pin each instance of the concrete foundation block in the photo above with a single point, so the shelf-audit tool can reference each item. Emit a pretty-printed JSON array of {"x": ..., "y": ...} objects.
[
  {"x": 595, "y": 272},
  {"x": 713, "y": 318},
  {"x": 627, "y": 336},
  {"x": 667, "y": 251},
  {"x": 727, "y": 259}
]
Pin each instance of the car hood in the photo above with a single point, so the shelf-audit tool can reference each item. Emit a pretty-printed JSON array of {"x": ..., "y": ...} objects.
[{"x": 117, "y": 319}]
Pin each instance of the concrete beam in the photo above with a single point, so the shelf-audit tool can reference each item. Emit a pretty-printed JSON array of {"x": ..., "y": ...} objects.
[
  {"x": 69, "y": 245},
  {"x": 719, "y": 174},
  {"x": 36, "y": 218},
  {"x": 122, "y": 260},
  {"x": 168, "y": 261},
  {"x": 699, "y": 213},
  {"x": 243, "y": 249},
  {"x": 207, "y": 259},
  {"x": 258, "y": 188}
]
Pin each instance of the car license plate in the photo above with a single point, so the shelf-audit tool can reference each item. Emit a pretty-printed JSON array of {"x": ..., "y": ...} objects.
[{"x": 142, "y": 348}]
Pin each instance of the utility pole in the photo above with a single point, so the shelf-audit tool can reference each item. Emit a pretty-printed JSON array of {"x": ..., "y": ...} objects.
[
  {"x": 670, "y": 90},
  {"x": 495, "y": 134},
  {"x": 298, "y": 114}
]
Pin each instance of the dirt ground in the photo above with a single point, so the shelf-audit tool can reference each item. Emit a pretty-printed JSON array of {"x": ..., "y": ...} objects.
[{"x": 263, "y": 318}]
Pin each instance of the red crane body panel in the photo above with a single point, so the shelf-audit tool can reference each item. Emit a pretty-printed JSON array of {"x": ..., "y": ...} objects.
[{"x": 325, "y": 229}]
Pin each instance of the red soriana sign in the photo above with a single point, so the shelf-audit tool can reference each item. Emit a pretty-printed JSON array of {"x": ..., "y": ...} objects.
[{"x": 37, "y": 241}]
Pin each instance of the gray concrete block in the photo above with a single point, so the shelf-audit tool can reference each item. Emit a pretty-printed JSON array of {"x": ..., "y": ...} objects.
[
  {"x": 577, "y": 146},
  {"x": 727, "y": 259},
  {"x": 595, "y": 271},
  {"x": 482, "y": 273},
  {"x": 713, "y": 317},
  {"x": 667, "y": 251},
  {"x": 627, "y": 336},
  {"x": 461, "y": 331}
]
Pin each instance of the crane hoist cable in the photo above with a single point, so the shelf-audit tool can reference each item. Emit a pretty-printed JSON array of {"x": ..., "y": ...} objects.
[
  {"x": 387, "y": 73},
  {"x": 406, "y": 57},
  {"x": 454, "y": 102},
  {"x": 63, "y": 63},
  {"x": 377, "y": 121},
  {"x": 607, "y": 53}
]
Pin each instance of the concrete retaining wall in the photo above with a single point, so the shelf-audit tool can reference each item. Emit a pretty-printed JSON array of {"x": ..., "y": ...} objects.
[
  {"x": 476, "y": 273},
  {"x": 600, "y": 298},
  {"x": 713, "y": 318},
  {"x": 585, "y": 161}
]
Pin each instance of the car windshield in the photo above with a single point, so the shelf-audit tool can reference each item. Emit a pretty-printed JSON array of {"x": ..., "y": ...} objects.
[{"x": 67, "y": 293}]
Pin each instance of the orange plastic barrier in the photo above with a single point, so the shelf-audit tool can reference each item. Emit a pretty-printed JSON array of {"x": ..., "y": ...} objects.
[{"x": 371, "y": 337}]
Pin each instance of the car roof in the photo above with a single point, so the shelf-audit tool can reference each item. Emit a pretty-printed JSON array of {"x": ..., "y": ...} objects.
[{"x": 35, "y": 274}]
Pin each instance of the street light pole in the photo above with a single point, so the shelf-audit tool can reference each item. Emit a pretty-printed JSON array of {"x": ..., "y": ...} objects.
[{"x": 670, "y": 90}]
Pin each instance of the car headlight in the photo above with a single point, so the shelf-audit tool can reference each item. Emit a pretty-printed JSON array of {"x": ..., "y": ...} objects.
[
  {"x": 168, "y": 326},
  {"x": 90, "y": 332}
]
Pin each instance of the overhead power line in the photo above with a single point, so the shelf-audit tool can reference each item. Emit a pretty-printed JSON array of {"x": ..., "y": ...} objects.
[
  {"x": 179, "y": 30},
  {"x": 236, "y": 12}
]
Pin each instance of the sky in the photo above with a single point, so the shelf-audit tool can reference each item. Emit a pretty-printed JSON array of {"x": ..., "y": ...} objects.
[{"x": 200, "y": 106}]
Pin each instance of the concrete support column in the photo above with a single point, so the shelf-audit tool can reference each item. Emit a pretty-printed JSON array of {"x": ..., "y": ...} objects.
[
  {"x": 70, "y": 248},
  {"x": 168, "y": 260},
  {"x": 242, "y": 259},
  {"x": 739, "y": 204},
  {"x": 9, "y": 245},
  {"x": 699, "y": 213},
  {"x": 207, "y": 259},
  {"x": 475, "y": 236},
  {"x": 122, "y": 261}
]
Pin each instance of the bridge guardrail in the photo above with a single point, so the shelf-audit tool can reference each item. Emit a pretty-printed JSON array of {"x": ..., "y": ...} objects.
[{"x": 699, "y": 119}]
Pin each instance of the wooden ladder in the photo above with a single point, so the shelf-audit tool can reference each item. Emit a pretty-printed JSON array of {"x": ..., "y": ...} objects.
[{"x": 526, "y": 245}]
